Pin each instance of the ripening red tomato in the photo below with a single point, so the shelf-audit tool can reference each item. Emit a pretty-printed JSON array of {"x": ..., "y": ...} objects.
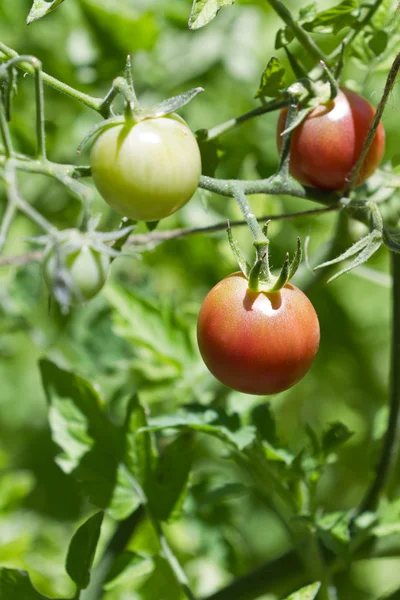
[
  {"x": 256, "y": 342},
  {"x": 328, "y": 143}
]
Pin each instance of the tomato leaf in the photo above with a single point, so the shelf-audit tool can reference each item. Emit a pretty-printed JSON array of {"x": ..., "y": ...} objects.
[
  {"x": 169, "y": 481},
  {"x": 333, "y": 530},
  {"x": 16, "y": 585},
  {"x": 334, "y": 19},
  {"x": 94, "y": 448},
  {"x": 306, "y": 593},
  {"x": 128, "y": 567},
  {"x": 204, "y": 11},
  {"x": 82, "y": 549},
  {"x": 336, "y": 435},
  {"x": 273, "y": 79},
  {"x": 41, "y": 8},
  {"x": 209, "y": 422}
]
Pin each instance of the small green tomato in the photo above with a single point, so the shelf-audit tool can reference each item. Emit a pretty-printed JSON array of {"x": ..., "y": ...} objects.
[
  {"x": 82, "y": 272},
  {"x": 147, "y": 170}
]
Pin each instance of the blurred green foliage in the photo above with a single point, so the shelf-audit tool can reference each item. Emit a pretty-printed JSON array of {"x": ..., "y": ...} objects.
[{"x": 139, "y": 333}]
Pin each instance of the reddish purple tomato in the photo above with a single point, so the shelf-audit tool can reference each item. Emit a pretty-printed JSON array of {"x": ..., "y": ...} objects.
[
  {"x": 257, "y": 342},
  {"x": 328, "y": 143}
]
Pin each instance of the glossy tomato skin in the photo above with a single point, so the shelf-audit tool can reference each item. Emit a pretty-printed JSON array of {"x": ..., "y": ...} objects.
[
  {"x": 328, "y": 143},
  {"x": 87, "y": 270},
  {"x": 257, "y": 343},
  {"x": 146, "y": 170}
]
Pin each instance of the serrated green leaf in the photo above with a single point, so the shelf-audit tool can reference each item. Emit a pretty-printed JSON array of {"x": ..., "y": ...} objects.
[
  {"x": 333, "y": 529},
  {"x": 306, "y": 593},
  {"x": 273, "y": 79},
  {"x": 336, "y": 435},
  {"x": 16, "y": 585},
  {"x": 155, "y": 328},
  {"x": 94, "y": 448},
  {"x": 82, "y": 550},
  {"x": 128, "y": 567},
  {"x": 334, "y": 19},
  {"x": 41, "y": 8},
  {"x": 168, "y": 484},
  {"x": 204, "y": 11}
]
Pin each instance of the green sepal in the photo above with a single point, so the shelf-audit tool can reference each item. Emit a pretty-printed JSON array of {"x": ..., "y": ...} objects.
[
  {"x": 238, "y": 254},
  {"x": 170, "y": 105},
  {"x": 294, "y": 265},
  {"x": 99, "y": 127},
  {"x": 283, "y": 276}
]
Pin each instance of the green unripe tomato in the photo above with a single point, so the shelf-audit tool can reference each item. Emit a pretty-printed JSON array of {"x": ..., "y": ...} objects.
[
  {"x": 147, "y": 170},
  {"x": 83, "y": 272}
]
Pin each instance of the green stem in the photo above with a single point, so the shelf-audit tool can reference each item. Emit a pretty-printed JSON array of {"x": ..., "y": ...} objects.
[
  {"x": 40, "y": 131},
  {"x": 216, "y": 131},
  {"x": 94, "y": 103},
  {"x": 391, "y": 442},
  {"x": 273, "y": 185},
  {"x": 390, "y": 81},
  {"x": 306, "y": 41},
  {"x": 248, "y": 215},
  {"x": 5, "y": 133},
  {"x": 117, "y": 544}
]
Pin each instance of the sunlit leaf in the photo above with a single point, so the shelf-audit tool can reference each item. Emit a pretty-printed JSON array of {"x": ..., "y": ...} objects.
[
  {"x": 306, "y": 593},
  {"x": 40, "y": 8},
  {"x": 204, "y": 11},
  {"x": 273, "y": 79}
]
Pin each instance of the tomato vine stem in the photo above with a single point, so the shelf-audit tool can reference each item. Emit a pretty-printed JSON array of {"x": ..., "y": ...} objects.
[{"x": 390, "y": 81}]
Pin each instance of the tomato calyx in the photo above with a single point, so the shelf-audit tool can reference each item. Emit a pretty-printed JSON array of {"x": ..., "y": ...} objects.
[
  {"x": 258, "y": 275},
  {"x": 134, "y": 113}
]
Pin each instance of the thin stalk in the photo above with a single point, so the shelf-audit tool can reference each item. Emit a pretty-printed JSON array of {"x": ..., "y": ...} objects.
[
  {"x": 284, "y": 160},
  {"x": 39, "y": 97},
  {"x": 306, "y": 41},
  {"x": 6, "y": 221},
  {"x": 216, "y": 131},
  {"x": 391, "y": 442},
  {"x": 390, "y": 81},
  {"x": 90, "y": 101},
  {"x": 5, "y": 133},
  {"x": 40, "y": 118},
  {"x": 248, "y": 215},
  {"x": 116, "y": 545}
]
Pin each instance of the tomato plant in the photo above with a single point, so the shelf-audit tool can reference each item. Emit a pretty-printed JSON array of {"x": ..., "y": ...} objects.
[
  {"x": 83, "y": 271},
  {"x": 257, "y": 342},
  {"x": 146, "y": 170},
  {"x": 328, "y": 143}
]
